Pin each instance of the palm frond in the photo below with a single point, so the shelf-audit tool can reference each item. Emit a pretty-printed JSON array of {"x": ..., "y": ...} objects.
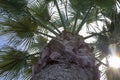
[
  {"x": 12, "y": 63},
  {"x": 39, "y": 44},
  {"x": 104, "y": 4},
  {"x": 20, "y": 30},
  {"x": 40, "y": 10},
  {"x": 13, "y": 6},
  {"x": 78, "y": 5},
  {"x": 22, "y": 27},
  {"x": 60, "y": 14},
  {"x": 84, "y": 19},
  {"x": 27, "y": 26},
  {"x": 15, "y": 64}
]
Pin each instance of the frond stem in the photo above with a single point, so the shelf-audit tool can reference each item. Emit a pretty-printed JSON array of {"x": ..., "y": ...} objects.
[
  {"x": 95, "y": 34},
  {"x": 42, "y": 24},
  {"x": 76, "y": 18},
  {"x": 84, "y": 19},
  {"x": 45, "y": 34},
  {"x": 32, "y": 54},
  {"x": 66, "y": 10},
  {"x": 63, "y": 23},
  {"x": 55, "y": 27}
]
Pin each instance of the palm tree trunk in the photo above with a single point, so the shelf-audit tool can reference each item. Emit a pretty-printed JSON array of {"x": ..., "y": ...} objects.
[
  {"x": 64, "y": 72},
  {"x": 66, "y": 57}
]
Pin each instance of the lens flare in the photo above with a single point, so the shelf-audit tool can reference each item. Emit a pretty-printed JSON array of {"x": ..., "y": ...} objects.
[{"x": 114, "y": 62}]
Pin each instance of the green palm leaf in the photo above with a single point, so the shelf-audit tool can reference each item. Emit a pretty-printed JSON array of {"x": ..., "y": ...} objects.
[
  {"x": 24, "y": 27},
  {"x": 13, "y": 6},
  {"x": 15, "y": 64},
  {"x": 20, "y": 30},
  {"x": 12, "y": 63},
  {"x": 79, "y": 4},
  {"x": 105, "y": 4},
  {"x": 40, "y": 43},
  {"x": 40, "y": 11},
  {"x": 27, "y": 25}
]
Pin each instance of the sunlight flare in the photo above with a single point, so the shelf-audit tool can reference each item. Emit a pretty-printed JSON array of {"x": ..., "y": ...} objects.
[{"x": 114, "y": 61}]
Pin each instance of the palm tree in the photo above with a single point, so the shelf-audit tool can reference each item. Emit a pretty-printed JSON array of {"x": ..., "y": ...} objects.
[{"x": 43, "y": 41}]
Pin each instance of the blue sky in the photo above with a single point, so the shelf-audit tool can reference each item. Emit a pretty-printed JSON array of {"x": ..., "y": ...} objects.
[{"x": 3, "y": 40}]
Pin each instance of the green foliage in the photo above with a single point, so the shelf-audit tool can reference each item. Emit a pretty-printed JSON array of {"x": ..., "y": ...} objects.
[
  {"x": 13, "y": 59},
  {"x": 27, "y": 26},
  {"x": 23, "y": 27},
  {"x": 40, "y": 11},
  {"x": 81, "y": 5},
  {"x": 93, "y": 16},
  {"x": 13, "y": 6},
  {"x": 12, "y": 63},
  {"x": 105, "y": 4},
  {"x": 38, "y": 45}
]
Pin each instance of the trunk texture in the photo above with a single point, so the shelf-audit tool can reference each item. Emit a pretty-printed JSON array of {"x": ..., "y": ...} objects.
[
  {"x": 66, "y": 57},
  {"x": 64, "y": 72}
]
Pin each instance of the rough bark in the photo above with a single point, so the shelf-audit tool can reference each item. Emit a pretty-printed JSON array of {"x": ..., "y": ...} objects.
[
  {"x": 64, "y": 72},
  {"x": 66, "y": 57}
]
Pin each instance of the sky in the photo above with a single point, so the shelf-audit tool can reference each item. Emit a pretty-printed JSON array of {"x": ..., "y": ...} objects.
[{"x": 2, "y": 41}]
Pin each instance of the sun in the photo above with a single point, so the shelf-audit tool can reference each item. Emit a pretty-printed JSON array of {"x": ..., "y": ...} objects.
[{"x": 114, "y": 61}]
